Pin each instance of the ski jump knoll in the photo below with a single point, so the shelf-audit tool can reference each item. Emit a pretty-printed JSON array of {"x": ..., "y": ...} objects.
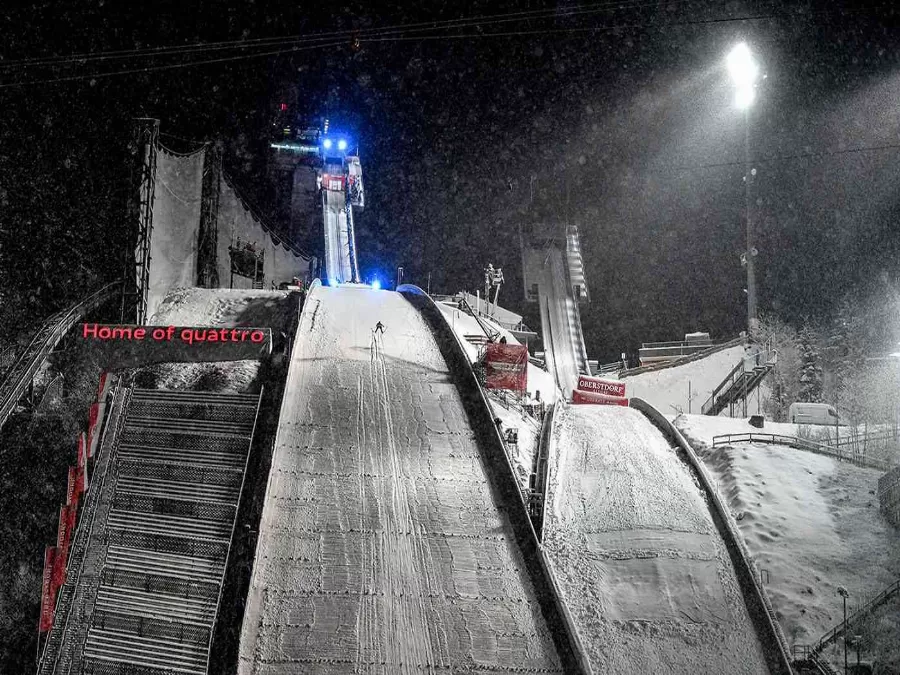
[{"x": 383, "y": 546}]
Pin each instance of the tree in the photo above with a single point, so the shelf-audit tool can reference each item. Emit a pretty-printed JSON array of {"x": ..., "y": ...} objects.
[
  {"x": 810, "y": 372},
  {"x": 782, "y": 337}
]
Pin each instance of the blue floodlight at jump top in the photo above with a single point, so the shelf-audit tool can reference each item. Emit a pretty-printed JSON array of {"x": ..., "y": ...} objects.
[
  {"x": 326, "y": 143},
  {"x": 342, "y": 144},
  {"x": 376, "y": 284},
  {"x": 332, "y": 282}
]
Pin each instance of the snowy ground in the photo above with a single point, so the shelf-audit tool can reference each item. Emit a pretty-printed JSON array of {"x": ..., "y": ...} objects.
[
  {"x": 381, "y": 549},
  {"x": 216, "y": 307},
  {"x": 810, "y": 521},
  {"x": 643, "y": 570},
  {"x": 539, "y": 383},
  {"x": 668, "y": 389}
]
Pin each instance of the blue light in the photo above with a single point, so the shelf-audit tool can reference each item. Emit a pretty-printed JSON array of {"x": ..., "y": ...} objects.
[
  {"x": 332, "y": 282},
  {"x": 326, "y": 143},
  {"x": 376, "y": 284},
  {"x": 342, "y": 144}
]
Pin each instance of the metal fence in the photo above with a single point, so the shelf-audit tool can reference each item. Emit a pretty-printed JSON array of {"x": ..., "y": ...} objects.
[{"x": 803, "y": 444}]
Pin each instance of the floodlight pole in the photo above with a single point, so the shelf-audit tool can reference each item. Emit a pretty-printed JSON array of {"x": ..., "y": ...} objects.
[{"x": 751, "y": 253}]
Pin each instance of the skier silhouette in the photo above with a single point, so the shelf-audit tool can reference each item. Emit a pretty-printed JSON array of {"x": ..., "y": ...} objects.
[{"x": 379, "y": 328}]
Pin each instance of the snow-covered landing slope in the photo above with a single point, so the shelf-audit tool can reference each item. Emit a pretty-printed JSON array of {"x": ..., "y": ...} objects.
[
  {"x": 687, "y": 387},
  {"x": 381, "y": 549},
  {"x": 811, "y": 522},
  {"x": 643, "y": 570}
]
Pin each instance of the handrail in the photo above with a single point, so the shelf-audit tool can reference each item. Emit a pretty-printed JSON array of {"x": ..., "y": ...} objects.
[
  {"x": 491, "y": 335},
  {"x": 874, "y": 603},
  {"x": 755, "y": 598},
  {"x": 84, "y": 531},
  {"x": 684, "y": 359},
  {"x": 541, "y": 469},
  {"x": 676, "y": 343},
  {"x": 802, "y": 444},
  {"x": 504, "y": 485},
  {"x": 46, "y": 338},
  {"x": 209, "y": 643}
]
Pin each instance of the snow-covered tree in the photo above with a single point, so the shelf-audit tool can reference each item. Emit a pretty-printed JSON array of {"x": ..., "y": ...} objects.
[
  {"x": 810, "y": 373},
  {"x": 784, "y": 382}
]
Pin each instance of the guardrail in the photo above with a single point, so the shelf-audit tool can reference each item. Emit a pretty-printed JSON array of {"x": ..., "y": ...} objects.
[
  {"x": 538, "y": 496},
  {"x": 504, "y": 485},
  {"x": 871, "y": 605},
  {"x": 234, "y": 523},
  {"x": 802, "y": 444},
  {"x": 755, "y": 598},
  {"x": 65, "y": 625},
  {"x": 47, "y": 337},
  {"x": 684, "y": 359}
]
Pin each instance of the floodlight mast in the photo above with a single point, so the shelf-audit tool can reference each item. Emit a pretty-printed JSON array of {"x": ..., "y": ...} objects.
[{"x": 744, "y": 73}]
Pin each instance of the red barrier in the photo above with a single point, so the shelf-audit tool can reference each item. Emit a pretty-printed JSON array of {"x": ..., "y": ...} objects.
[
  {"x": 589, "y": 397},
  {"x": 506, "y": 366},
  {"x": 47, "y": 595},
  {"x": 596, "y": 385},
  {"x": 72, "y": 487}
]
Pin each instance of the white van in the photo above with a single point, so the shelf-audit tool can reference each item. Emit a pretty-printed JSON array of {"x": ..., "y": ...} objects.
[{"x": 812, "y": 413}]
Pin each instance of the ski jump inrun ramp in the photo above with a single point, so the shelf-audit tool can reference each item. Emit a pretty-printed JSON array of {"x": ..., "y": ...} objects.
[{"x": 384, "y": 547}]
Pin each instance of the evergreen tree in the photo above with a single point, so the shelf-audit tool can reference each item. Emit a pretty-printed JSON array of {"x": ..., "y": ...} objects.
[{"x": 810, "y": 372}]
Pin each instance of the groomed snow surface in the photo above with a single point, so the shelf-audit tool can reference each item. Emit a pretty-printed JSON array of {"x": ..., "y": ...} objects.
[
  {"x": 810, "y": 521},
  {"x": 381, "y": 548},
  {"x": 643, "y": 570},
  {"x": 685, "y": 388}
]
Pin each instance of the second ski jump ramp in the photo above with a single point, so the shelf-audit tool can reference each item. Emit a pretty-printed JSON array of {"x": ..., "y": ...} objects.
[
  {"x": 643, "y": 570},
  {"x": 382, "y": 549}
]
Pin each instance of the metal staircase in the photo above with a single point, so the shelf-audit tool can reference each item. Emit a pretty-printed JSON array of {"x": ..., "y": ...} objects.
[
  {"x": 178, "y": 475},
  {"x": 742, "y": 381}
]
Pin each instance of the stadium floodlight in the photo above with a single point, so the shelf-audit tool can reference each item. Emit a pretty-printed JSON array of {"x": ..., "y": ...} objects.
[
  {"x": 326, "y": 143},
  {"x": 376, "y": 285},
  {"x": 744, "y": 72},
  {"x": 342, "y": 144}
]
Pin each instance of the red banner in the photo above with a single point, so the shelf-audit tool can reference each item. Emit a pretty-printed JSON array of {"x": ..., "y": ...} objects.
[
  {"x": 47, "y": 598},
  {"x": 66, "y": 528},
  {"x": 101, "y": 390},
  {"x": 597, "y": 399},
  {"x": 597, "y": 386},
  {"x": 506, "y": 366},
  {"x": 71, "y": 489}
]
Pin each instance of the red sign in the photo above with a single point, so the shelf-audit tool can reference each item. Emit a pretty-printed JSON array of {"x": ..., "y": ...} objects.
[
  {"x": 506, "y": 366},
  {"x": 597, "y": 399},
  {"x": 335, "y": 183},
  {"x": 46, "y": 590},
  {"x": 71, "y": 490},
  {"x": 597, "y": 386}
]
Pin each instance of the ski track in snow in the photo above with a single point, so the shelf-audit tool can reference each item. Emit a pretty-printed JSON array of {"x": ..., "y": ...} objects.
[
  {"x": 644, "y": 572},
  {"x": 381, "y": 548}
]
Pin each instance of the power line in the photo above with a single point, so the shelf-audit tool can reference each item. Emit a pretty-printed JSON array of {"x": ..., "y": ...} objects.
[
  {"x": 802, "y": 155},
  {"x": 464, "y": 22},
  {"x": 170, "y": 66},
  {"x": 396, "y": 34}
]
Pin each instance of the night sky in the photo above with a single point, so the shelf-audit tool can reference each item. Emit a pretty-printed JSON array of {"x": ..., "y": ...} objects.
[{"x": 615, "y": 116}]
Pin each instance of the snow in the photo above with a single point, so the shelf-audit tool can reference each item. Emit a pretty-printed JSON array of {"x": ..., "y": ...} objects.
[
  {"x": 643, "y": 570},
  {"x": 215, "y": 307},
  {"x": 539, "y": 382},
  {"x": 381, "y": 548},
  {"x": 218, "y": 307},
  {"x": 667, "y": 389},
  {"x": 811, "y": 521}
]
